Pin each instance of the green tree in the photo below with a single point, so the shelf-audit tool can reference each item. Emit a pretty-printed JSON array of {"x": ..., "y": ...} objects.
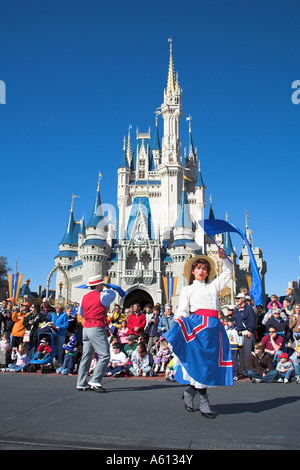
[{"x": 3, "y": 277}]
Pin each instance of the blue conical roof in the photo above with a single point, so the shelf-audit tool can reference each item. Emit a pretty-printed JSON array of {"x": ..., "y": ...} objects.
[
  {"x": 200, "y": 181},
  {"x": 228, "y": 247},
  {"x": 156, "y": 142},
  {"x": 184, "y": 218},
  {"x": 97, "y": 217},
  {"x": 71, "y": 234}
]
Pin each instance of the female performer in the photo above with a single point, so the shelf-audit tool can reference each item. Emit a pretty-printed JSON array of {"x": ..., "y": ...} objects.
[{"x": 198, "y": 337}]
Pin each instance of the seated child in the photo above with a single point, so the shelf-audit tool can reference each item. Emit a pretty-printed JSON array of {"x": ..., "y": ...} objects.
[
  {"x": 123, "y": 334},
  {"x": 170, "y": 370},
  {"x": 20, "y": 356},
  {"x": 69, "y": 357},
  {"x": 140, "y": 361},
  {"x": 44, "y": 349},
  {"x": 285, "y": 368},
  {"x": 163, "y": 356},
  {"x": 117, "y": 362},
  {"x": 5, "y": 347},
  {"x": 93, "y": 363},
  {"x": 130, "y": 346}
]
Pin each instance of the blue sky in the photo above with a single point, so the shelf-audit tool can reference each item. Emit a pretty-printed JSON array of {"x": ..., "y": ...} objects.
[{"x": 77, "y": 73}]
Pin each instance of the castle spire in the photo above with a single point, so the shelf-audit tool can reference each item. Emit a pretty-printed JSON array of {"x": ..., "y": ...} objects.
[
  {"x": 211, "y": 212},
  {"x": 69, "y": 237},
  {"x": 171, "y": 74},
  {"x": 200, "y": 179},
  {"x": 128, "y": 151},
  {"x": 97, "y": 217}
]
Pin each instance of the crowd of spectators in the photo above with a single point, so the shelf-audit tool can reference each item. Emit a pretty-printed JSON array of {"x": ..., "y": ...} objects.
[{"x": 265, "y": 343}]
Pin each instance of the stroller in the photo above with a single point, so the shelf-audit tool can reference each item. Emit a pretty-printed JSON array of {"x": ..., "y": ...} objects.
[{"x": 48, "y": 361}]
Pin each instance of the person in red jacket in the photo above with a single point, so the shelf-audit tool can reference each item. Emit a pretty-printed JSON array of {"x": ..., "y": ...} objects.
[{"x": 136, "y": 321}]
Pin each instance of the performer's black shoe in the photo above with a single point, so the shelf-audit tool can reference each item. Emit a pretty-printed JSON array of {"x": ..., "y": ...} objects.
[
  {"x": 188, "y": 408},
  {"x": 97, "y": 388},
  {"x": 208, "y": 415}
]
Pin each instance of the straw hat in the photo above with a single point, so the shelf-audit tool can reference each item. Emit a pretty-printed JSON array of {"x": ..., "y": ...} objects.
[
  {"x": 95, "y": 280},
  {"x": 188, "y": 266}
]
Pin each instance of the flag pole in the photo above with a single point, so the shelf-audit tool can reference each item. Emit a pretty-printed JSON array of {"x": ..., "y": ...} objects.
[{"x": 219, "y": 248}]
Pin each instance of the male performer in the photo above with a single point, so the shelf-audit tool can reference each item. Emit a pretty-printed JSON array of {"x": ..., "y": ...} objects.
[{"x": 93, "y": 309}]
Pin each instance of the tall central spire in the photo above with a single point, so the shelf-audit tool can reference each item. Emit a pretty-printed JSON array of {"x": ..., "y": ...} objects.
[{"x": 171, "y": 74}]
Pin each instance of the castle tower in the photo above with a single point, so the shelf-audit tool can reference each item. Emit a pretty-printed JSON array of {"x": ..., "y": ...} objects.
[
  {"x": 95, "y": 250},
  {"x": 171, "y": 168}
]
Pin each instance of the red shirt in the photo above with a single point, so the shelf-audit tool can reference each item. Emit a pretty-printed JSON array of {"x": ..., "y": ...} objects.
[
  {"x": 136, "y": 321},
  {"x": 94, "y": 312},
  {"x": 268, "y": 344}
]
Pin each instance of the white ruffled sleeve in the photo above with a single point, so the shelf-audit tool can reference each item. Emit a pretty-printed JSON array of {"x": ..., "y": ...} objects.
[
  {"x": 183, "y": 308},
  {"x": 221, "y": 281}
]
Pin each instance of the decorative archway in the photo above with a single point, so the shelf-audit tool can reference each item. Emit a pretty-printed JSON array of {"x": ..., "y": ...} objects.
[
  {"x": 139, "y": 296},
  {"x": 58, "y": 266}
]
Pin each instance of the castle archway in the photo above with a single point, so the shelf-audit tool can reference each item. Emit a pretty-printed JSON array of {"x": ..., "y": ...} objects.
[
  {"x": 139, "y": 296},
  {"x": 58, "y": 267}
]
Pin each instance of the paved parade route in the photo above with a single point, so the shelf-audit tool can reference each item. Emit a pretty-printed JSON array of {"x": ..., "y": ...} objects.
[{"x": 45, "y": 411}]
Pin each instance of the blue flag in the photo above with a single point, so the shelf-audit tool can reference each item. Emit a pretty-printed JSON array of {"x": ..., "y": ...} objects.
[{"x": 214, "y": 226}]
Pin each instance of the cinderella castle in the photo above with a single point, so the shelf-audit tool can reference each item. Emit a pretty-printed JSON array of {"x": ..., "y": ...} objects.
[{"x": 161, "y": 199}]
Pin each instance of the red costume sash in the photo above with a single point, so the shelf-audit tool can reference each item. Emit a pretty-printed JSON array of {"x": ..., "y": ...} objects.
[{"x": 207, "y": 312}]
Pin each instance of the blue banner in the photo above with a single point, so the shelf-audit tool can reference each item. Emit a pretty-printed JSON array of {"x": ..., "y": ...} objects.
[{"x": 214, "y": 226}]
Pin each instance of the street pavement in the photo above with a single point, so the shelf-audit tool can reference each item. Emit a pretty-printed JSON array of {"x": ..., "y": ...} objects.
[{"x": 47, "y": 412}]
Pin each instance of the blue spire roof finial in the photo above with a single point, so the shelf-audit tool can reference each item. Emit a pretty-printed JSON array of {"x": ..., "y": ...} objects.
[
  {"x": 156, "y": 143},
  {"x": 228, "y": 247},
  {"x": 124, "y": 161},
  {"x": 200, "y": 179},
  {"x": 97, "y": 217},
  {"x": 70, "y": 236},
  {"x": 211, "y": 212},
  {"x": 184, "y": 218},
  {"x": 191, "y": 144}
]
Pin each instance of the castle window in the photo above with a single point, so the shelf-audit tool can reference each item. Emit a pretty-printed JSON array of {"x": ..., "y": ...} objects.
[
  {"x": 146, "y": 260},
  {"x": 131, "y": 261}
]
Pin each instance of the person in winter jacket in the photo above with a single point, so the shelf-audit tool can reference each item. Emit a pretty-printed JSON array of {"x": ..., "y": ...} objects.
[{"x": 261, "y": 365}]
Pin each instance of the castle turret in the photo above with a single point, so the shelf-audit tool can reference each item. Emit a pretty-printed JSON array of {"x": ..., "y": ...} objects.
[{"x": 95, "y": 249}]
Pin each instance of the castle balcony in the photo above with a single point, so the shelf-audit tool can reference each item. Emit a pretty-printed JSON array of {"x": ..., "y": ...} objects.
[{"x": 145, "y": 276}]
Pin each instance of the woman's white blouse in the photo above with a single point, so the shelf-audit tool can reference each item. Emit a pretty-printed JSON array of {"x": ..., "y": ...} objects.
[{"x": 203, "y": 295}]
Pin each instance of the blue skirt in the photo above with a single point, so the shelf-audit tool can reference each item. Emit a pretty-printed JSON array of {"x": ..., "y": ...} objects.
[{"x": 201, "y": 344}]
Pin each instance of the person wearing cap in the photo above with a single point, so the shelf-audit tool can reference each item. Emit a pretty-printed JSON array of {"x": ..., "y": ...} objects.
[
  {"x": 236, "y": 340},
  {"x": 285, "y": 368},
  {"x": 198, "y": 338},
  {"x": 93, "y": 308},
  {"x": 295, "y": 358},
  {"x": 246, "y": 324},
  {"x": 130, "y": 346}
]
